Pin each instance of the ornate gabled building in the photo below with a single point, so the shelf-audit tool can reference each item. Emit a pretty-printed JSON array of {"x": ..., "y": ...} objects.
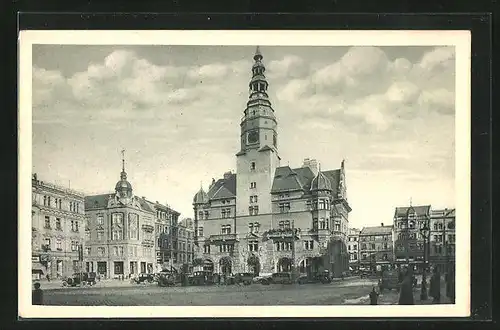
[
  {"x": 120, "y": 237},
  {"x": 265, "y": 217}
]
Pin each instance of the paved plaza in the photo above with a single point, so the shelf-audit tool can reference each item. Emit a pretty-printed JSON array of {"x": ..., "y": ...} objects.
[{"x": 252, "y": 295}]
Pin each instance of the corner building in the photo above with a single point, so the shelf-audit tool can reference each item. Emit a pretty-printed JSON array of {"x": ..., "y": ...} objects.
[
  {"x": 266, "y": 218},
  {"x": 120, "y": 238}
]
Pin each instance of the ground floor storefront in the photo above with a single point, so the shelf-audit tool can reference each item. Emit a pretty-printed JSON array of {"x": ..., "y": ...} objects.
[
  {"x": 118, "y": 268},
  {"x": 54, "y": 265}
]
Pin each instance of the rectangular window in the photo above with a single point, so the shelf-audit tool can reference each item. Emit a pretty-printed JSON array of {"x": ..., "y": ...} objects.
[
  {"x": 74, "y": 246},
  {"x": 253, "y": 246},
  {"x": 88, "y": 251},
  {"x": 200, "y": 231},
  {"x": 120, "y": 250},
  {"x": 101, "y": 251},
  {"x": 322, "y": 204},
  {"x": 59, "y": 245},
  {"x": 117, "y": 226},
  {"x": 100, "y": 235},
  {"x": 115, "y": 250},
  {"x": 284, "y": 207},
  {"x": 206, "y": 248},
  {"x": 322, "y": 223},
  {"x": 315, "y": 224},
  {"x": 253, "y": 185},
  {"x": 309, "y": 245},
  {"x": 373, "y": 246},
  {"x": 308, "y": 205},
  {"x": 206, "y": 214},
  {"x": 58, "y": 224},
  {"x": 47, "y": 222},
  {"x": 87, "y": 235},
  {"x": 252, "y": 166},
  {"x": 200, "y": 215},
  {"x": 337, "y": 226},
  {"x": 226, "y": 229},
  {"x": 287, "y": 224}
]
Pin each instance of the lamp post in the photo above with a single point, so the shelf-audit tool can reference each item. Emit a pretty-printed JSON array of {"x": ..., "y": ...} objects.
[{"x": 425, "y": 234}]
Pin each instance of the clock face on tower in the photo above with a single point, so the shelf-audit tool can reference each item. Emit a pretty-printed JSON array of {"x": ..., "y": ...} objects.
[{"x": 253, "y": 137}]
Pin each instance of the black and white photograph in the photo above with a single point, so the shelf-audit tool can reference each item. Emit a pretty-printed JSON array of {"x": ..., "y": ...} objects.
[{"x": 244, "y": 173}]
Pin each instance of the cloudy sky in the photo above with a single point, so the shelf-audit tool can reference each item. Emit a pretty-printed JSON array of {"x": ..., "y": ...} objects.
[{"x": 388, "y": 111}]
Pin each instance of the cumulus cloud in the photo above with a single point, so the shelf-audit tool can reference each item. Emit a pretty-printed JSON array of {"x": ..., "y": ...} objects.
[
  {"x": 376, "y": 90},
  {"x": 290, "y": 66}
]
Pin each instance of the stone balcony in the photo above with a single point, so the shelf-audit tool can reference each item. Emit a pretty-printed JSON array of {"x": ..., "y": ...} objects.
[
  {"x": 148, "y": 242},
  {"x": 221, "y": 238},
  {"x": 283, "y": 233},
  {"x": 148, "y": 228}
]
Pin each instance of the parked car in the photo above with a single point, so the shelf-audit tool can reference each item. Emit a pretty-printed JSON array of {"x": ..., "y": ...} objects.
[
  {"x": 144, "y": 278},
  {"x": 323, "y": 278},
  {"x": 201, "y": 277},
  {"x": 167, "y": 279},
  {"x": 80, "y": 279},
  {"x": 277, "y": 278},
  {"x": 243, "y": 278}
]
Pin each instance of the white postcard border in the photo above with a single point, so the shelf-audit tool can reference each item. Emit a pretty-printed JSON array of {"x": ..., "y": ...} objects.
[{"x": 460, "y": 39}]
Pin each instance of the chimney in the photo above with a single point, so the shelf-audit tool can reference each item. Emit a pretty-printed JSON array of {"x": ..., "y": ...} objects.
[
  {"x": 227, "y": 175},
  {"x": 312, "y": 164}
]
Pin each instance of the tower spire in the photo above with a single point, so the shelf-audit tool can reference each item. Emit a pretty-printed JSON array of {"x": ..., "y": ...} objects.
[
  {"x": 258, "y": 55},
  {"x": 123, "y": 160}
]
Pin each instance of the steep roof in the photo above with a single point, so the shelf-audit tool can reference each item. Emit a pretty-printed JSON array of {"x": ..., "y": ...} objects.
[
  {"x": 97, "y": 201},
  {"x": 101, "y": 201},
  {"x": 223, "y": 188},
  {"x": 378, "y": 230},
  {"x": 321, "y": 182},
  {"x": 286, "y": 178},
  {"x": 419, "y": 210}
]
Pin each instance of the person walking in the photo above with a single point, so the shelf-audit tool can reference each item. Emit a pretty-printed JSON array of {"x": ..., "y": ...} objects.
[
  {"x": 435, "y": 287},
  {"x": 406, "y": 289},
  {"x": 374, "y": 297},
  {"x": 37, "y": 295}
]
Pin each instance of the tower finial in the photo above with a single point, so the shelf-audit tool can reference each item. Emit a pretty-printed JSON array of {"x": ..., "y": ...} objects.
[
  {"x": 123, "y": 160},
  {"x": 410, "y": 201},
  {"x": 319, "y": 167},
  {"x": 258, "y": 55}
]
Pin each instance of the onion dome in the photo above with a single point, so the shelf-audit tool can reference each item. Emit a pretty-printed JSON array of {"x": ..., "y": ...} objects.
[
  {"x": 201, "y": 197},
  {"x": 321, "y": 182}
]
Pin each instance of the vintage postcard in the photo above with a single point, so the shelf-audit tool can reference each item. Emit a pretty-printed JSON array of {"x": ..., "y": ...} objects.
[{"x": 244, "y": 174}]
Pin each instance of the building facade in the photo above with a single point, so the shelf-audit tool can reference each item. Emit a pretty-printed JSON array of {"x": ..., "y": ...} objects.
[
  {"x": 57, "y": 229},
  {"x": 165, "y": 220},
  {"x": 376, "y": 247},
  {"x": 266, "y": 217},
  {"x": 408, "y": 239},
  {"x": 442, "y": 239},
  {"x": 353, "y": 248},
  {"x": 119, "y": 232}
]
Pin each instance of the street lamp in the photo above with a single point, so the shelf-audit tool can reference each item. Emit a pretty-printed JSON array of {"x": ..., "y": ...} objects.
[{"x": 425, "y": 234}]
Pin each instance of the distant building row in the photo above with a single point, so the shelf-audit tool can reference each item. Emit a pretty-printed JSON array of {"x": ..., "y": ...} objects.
[
  {"x": 115, "y": 234},
  {"x": 372, "y": 247}
]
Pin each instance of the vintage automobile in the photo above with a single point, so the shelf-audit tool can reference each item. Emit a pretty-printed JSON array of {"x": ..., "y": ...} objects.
[
  {"x": 144, "y": 278},
  {"x": 201, "y": 277},
  {"x": 243, "y": 278},
  {"x": 277, "y": 278},
  {"x": 167, "y": 279},
  {"x": 80, "y": 279},
  {"x": 323, "y": 278}
]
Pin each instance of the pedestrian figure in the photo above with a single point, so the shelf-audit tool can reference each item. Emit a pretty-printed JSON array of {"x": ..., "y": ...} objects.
[
  {"x": 47, "y": 277},
  {"x": 406, "y": 290},
  {"x": 37, "y": 295},
  {"x": 435, "y": 287},
  {"x": 374, "y": 297}
]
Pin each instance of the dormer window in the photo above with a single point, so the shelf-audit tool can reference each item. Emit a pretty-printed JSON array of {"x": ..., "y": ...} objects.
[{"x": 252, "y": 166}]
